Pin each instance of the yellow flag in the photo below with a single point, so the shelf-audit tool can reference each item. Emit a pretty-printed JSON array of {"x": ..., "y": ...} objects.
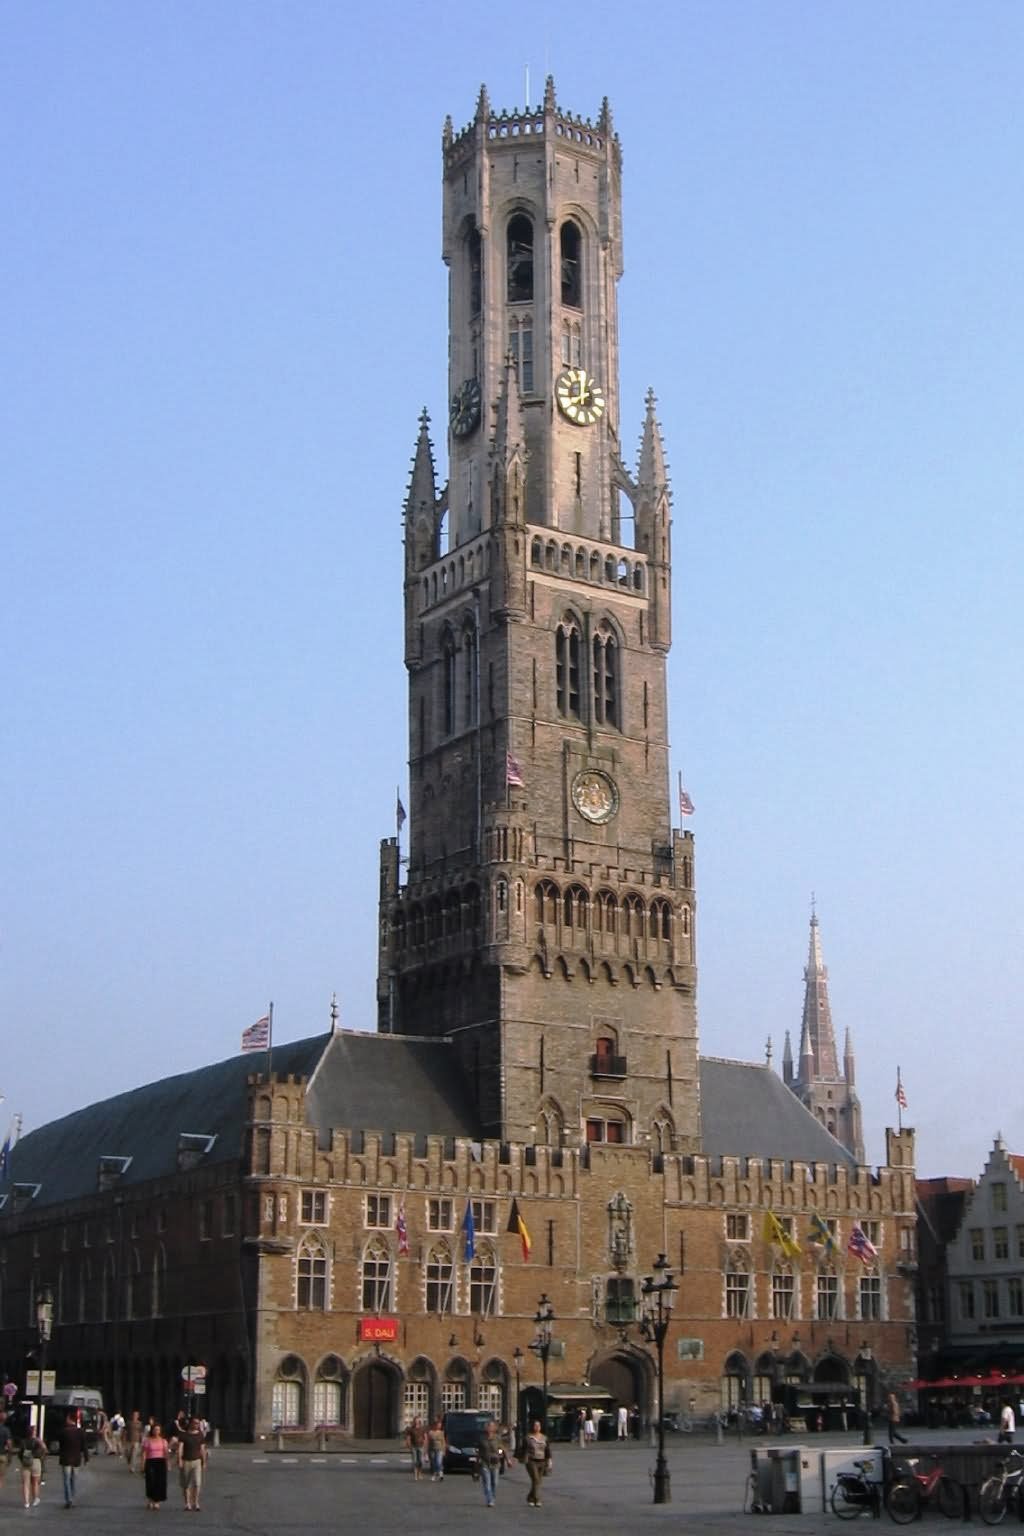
[{"x": 775, "y": 1232}]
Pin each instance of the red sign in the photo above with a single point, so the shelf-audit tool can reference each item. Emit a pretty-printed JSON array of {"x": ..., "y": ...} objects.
[{"x": 379, "y": 1330}]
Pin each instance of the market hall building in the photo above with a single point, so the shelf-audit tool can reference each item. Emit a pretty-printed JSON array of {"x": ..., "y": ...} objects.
[{"x": 333, "y": 1241}]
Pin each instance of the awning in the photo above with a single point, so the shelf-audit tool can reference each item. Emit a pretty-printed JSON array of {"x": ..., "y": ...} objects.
[{"x": 578, "y": 1392}]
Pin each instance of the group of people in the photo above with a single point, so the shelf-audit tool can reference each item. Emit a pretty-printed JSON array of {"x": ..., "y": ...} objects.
[
  {"x": 144, "y": 1447},
  {"x": 427, "y": 1444}
]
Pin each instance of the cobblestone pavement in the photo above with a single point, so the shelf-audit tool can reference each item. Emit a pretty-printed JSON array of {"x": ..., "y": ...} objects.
[{"x": 262, "y": 1492}]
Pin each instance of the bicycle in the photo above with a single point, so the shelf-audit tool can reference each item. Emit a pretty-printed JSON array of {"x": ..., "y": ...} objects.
[
  {"x": 856, "y": 1494},
  {"x": 1002, "y": 1489},
  {"x": 906, "y": 1497}
]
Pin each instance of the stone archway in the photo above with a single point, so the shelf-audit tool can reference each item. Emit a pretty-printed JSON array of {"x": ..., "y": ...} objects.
[
  {"x": 375, "y": 1401},
  {"x": 628, "y": 1377}
]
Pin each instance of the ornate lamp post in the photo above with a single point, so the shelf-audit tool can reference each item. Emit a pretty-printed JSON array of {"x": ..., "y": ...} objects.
[
  {"x": 659, "y": 1294},
  {"x": 544, "y": 1318},
  {"x": 44, "y": 1322},
  {"x": 517, "y": 1360},
  {"x": 864, "y": 1360}
]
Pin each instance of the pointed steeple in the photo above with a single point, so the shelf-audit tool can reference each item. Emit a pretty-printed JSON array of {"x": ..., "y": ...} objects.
[
  {"x": 787, "y": 1060},
  {"x": 483, "y": 106},
  {"x": 604, "y": 122},
  {"x": 508, "y": 451},
  {"x": 849, "y": 1068},
  {"x": 817, "y": 1021},
  {"x": 652, "y": 472},
  {"x": 805, "y": 1071},
  {"x": 421, "y": 503},
  {"x": 549, "y": 94}
]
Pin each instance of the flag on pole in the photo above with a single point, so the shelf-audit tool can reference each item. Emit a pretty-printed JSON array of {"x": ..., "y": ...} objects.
[
  {"x": 469, "y": 1229},
  {"x": 859, "y": 1245},
  {"x": 775, "y": 1232},
  {"x": 10, "y": 1140},
  {"x": 513, "y": 772},
  {"x": 820, "y": 1234},
  {"x": 400, "y": 816},
  {"x": 901, "y": 1098},
  {"x": 401, "y": 1231},
  {"x": 257, "y": 1036},
  {"x": 685, "y": 803},
  {"x": 518, "y": 1225}
]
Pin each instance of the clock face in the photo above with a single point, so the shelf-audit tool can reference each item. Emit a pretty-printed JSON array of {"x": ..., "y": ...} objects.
[
  {"x": 579, "y": 396},
  {"x": 464, "y": 413},
  {"x": 595, "y": 795}
]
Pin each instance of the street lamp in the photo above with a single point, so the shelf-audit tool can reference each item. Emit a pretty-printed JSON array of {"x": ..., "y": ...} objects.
[
  {"x": 865, "y": 1362},
  {"x": 517, "y": 1360},
  {"x": 544, "y": 1318},
  {"x": 44, "y": 1322},
  {"x": 658, "y": 1294}
]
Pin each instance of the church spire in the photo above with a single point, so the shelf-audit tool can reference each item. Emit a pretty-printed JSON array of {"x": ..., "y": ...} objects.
[
  {"x": 652, "y": 472},
  {"x": 817, "y": 1021},
  {"x": 787, "y": 1062},
  {"x": 421, "y": 503}
]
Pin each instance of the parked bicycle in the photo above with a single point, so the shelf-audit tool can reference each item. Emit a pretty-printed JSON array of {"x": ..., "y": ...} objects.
[
  {"x": 912, "y": 1490},
  {"x": 1003, "y": 1489},
  {"x": 856, "y": 1494}
]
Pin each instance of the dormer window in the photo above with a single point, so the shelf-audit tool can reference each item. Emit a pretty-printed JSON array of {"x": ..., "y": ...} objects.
[{"x": 520, "y": 260}]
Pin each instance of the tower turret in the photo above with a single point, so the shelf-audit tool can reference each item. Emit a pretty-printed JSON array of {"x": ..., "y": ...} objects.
[{"x": 830, "y": 1095}]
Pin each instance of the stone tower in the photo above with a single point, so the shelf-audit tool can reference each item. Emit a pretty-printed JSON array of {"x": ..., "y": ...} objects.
[
  {"x": 828, "y": 1093},
  {"x": 546, "y": 923}
]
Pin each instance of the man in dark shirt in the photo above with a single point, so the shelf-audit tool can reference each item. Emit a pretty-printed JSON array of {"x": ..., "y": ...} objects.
[
  {"x": 488, "y": 1454},
  {"x": 191, "y": 1461},
  {"x": 72, "y": 1455}
]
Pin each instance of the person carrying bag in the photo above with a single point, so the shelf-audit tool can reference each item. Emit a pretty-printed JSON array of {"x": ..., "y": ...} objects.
[{"x": 538, "y": 1462}]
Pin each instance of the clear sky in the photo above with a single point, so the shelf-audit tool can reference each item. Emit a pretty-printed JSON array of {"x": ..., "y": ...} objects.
[{"x": 223, "y": 307}]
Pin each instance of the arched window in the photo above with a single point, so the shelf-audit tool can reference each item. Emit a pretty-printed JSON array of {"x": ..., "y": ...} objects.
[
  {"x": 606, "y": 913},
  {"x": 470, "y": 675},
  {"x": 574, "y": 909},
  {"x": 633, "y": 917},
  {"x": 474, "y": 267},
  {"x": 311, "y": 1274},
  {"x": 520, "y": 260},
  {"x": 287, "y": 1403},
  {"x": 552, "y": 1124},
  {"x": 737, "y": 1286},
  {"x": 448, "y": 656},
  {"x": 520, "y": 349},
  {"x": 377, "y": 1283},
  {"x": 661, "y": 920},
  {"x": 328, "y": 1392},
  {"x": 546, "y": 902},
  {"x": 483, "y": 1283},
  {"x": 536, "y": 552},
  {"x": 440, "y": 1279},
  {"x": 606, "y": 677},
  {"x": 572, "y": 285},
  {"x": 734, "y": 1382},
  {"x": 567, "y": 668}
]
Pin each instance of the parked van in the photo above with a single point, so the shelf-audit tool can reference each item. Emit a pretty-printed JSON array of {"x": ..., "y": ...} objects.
[{"x": 87, "y": 1405}]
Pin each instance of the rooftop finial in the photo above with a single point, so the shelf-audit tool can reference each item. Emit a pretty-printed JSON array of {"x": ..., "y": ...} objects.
[
  {"x": 334, "y": 1012},
  {"x": 549, "y": 94},
  {"x": 483, "y": 106},
  {"x": 604, "y": 122}
]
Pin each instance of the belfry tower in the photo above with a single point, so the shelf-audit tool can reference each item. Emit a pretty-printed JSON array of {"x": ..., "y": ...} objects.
[
  {"x": 546, "y": 923},
  {"x": 828, "y": 1093}
]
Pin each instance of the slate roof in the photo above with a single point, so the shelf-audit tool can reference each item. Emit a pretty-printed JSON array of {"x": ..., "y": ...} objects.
[
  {"x": 747, "y": 1111},
  {"x": 357, "y": 1081}
]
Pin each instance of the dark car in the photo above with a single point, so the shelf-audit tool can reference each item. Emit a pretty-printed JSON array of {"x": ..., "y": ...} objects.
[{"x": 463, "y": 1431}]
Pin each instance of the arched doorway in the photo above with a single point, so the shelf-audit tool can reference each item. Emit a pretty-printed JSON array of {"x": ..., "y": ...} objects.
[
  {"x": 375, "y": 1401},
  {"x": 627, "y": 1379}
]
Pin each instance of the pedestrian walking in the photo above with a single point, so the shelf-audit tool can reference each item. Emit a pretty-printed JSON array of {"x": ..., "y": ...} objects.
[
  {"x": 154, "y": 1463},
  {"x": 113, "y": 1436},
  {"x": 538, "y": 1462},
  {"x": 622, "y": 1419},
  {"x": 436, "y": 1447},
  {"x": 416, "y": 1441},
  {"x": 5, "y": 1446},
  {"x": 192, "y": 1456},
  {"x": 488, "y": 1455},
  {"x": 72, "y": 1454},
  {"x": 133, "y": 1431},
  {"x": 1007, "y": 1425},
  {"x": 32, "y": 1456},
  {"x": 894, "y": 1415},
  {"x": 589, "y": 1427}
]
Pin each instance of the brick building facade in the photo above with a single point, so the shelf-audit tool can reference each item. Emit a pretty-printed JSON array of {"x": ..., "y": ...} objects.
[{"x": 303, "y": 1232}]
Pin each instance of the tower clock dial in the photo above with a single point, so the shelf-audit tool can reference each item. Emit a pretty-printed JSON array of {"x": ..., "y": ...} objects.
[
  {"x": 579, "y": 396},
  {"x": 464, "y": 412},
  {"x": 595, "y": 795}
]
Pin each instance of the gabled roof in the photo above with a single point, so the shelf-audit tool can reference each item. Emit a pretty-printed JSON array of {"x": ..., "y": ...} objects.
[
  {"x": 747, "y": 1111},
  {"x": 391, "y": 1083},
  {"x": 145, "y": 1125}
]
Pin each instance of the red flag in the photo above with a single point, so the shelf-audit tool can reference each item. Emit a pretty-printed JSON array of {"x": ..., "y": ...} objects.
[
  {"x": 901, "y": 1098},
  {"x": 860, "y": 1246},
  {"x": 257, "y": 1036},
  {"x": 518, "y": 1225},
  {"x": 402, "y": 1232}
]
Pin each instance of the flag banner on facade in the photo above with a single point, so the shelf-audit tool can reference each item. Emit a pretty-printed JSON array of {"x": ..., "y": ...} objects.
[
  {"x": 859, "y": 1245},
  {"x": 775, "y": 1232},
  {"x": 820, "y": 1235},
  {"x": 513, "y": 772},
  {"x": 685, "y": 803},
  {"x": 401, "y": 1231},
  {"x": 901, "y": 1098},
  {"x": 400, "y": 816},
  {"x": 469, "y": 1228},
  {"x": 518, "y": 1225},
  {"x": 257, "y": 1036}
]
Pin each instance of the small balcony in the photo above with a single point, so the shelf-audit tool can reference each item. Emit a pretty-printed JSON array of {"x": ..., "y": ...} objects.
[{"x": 602, "y": 1065}]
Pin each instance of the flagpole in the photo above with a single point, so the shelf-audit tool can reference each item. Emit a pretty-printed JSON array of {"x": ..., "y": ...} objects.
[
  {"x": 899, "y": 1101},
  {"x": 270, "y": 1038}
]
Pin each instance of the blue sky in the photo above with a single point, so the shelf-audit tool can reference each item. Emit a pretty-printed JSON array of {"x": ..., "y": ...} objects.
[{"x": 223, "y": 309}]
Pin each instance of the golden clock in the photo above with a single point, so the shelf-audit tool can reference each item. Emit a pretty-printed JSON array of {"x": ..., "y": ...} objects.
[{"x": 579, "y": 396}]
